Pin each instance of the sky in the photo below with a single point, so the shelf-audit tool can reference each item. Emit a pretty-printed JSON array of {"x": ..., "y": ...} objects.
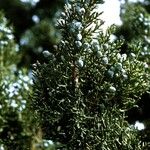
[
  {"x": 111, "y": 9},
  {"x": 111, "y": 13}
]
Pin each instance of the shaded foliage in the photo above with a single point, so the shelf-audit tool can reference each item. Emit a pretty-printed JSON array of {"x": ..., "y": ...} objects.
[
  {"x": 136, "y": 29},
  {"x": 21, "y": 16}
]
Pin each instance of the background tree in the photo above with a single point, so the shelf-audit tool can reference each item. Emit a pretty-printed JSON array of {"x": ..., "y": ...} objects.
[
  {"x": 136, "y": 29},
  {"x": 84, "y": 88},
  {"x": 14, "y": 86},
  {"x": 33, "y": 23}
]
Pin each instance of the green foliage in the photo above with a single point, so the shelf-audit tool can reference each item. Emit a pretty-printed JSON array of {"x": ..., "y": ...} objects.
[
  {"x": 136, "y": 31},
  {"x": 135, "y": 28},
  {"x": 33, "y": 23},
  {"x": 86, "y": 85},
  {"x": 14, "y": 85},
  {"x": 82, "y": 91},
  {"x": 17, "y": 128}
]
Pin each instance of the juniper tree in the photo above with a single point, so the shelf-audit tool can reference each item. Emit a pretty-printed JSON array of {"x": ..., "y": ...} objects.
[
  {"x": 14, "y": 86},
  {"x": 85, "y": 86}
]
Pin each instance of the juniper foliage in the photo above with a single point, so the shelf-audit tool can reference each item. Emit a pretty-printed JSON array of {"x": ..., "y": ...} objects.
[
  {"x": 135, "y": 29},
  {"x": 85, "y": 86},
  {"x": 14, "y": 86}
]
